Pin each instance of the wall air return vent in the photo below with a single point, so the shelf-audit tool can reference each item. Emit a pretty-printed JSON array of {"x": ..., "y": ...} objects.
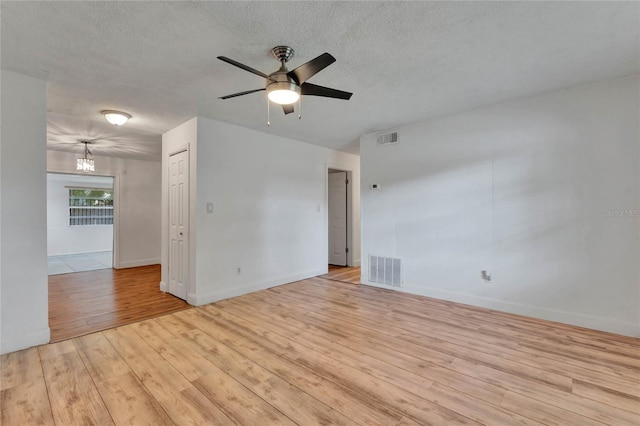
[
  {"x": 385, "y": 139},
  {"x": 385, "y": 270}
]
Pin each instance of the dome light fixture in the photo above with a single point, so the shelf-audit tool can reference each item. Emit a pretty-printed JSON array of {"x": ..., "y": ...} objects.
[{"x": 117, "y": 118}]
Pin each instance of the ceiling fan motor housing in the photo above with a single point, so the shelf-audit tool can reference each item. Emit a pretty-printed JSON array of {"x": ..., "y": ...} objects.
[{"x": 279, "y": 80}]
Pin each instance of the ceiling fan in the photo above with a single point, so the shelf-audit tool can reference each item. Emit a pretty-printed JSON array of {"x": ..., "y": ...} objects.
[{"x": 285, "y": 87}]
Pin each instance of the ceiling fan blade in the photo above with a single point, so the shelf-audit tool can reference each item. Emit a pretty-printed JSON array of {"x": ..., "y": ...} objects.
[
  {"x": 305, "y": 71},
  {"x": 315, "y": 90},
  {"x": 241, "y": 93},
  {"x": 243, "y": 66},
  {"x": 288, "y": 109}
]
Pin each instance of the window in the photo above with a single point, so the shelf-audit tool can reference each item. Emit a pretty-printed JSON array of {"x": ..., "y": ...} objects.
[{"x": 90, "y": 206}]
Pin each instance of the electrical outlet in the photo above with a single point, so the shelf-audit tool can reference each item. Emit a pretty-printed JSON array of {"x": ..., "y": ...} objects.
[
  {"x": 238, "y": 271},
  {"x": 209, "y": 207}
]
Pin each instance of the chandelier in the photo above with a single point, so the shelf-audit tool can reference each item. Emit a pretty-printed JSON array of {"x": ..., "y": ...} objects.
[{"x": 86, "y": 164}]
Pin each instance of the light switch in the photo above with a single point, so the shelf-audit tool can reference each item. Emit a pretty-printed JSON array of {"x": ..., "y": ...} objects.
[{"x": 209, "y": 207}]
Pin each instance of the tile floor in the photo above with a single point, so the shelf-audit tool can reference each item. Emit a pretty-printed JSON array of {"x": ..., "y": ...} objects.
[{"x": 67, "y": 263}]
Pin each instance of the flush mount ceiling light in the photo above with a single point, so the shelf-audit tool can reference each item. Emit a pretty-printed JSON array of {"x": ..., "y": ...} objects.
[
  {"x": 86, "y": 164},
  {"x": 117, "y": 118}
]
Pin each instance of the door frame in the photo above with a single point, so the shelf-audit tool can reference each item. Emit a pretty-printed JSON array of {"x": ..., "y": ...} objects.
[
  {"x": 115, "y": 257},
  {"x": 350, "y": 260}
]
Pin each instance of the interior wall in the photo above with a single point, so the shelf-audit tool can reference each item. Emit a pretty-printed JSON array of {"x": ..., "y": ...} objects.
[
  {"x": 541, "y": 192},
  {"x": 269, "y": 214},
  {"x": 137, "y": 204},
  {"x": 65, "y": 239},
  {"x": 24, "y": 311}
]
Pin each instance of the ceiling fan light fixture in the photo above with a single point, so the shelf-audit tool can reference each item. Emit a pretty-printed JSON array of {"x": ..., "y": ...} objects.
[
  {"x": 283, "y": 97},
  {"x": 117, "y": 118},
  {"x": 283, "y": 92}
]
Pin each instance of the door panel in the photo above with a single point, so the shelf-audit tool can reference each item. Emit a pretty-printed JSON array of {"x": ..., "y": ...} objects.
[
  {"x": 337, "y": 218},
  {"x": 179, "y": 224}
]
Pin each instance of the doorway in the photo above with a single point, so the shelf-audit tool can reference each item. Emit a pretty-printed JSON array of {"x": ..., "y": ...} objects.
[
  {"x": 342, "y": 266},
  {"x": 337, "y": 203},
  {"x": 80, "y": 223}
]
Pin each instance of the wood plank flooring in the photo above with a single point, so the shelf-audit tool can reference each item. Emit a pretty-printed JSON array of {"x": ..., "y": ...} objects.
[
  {"x": 343, "y": 273},
  {"x": 84, "y": 302},
  {"x": 326, "y": 352}
]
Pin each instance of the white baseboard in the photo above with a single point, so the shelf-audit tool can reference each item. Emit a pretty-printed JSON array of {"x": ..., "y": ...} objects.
[
  {"x": 36, "y": 338},
  {"x": 572, "y": 318},
  {"x": 228, "y": 293},
  {"x": 164, "y": 287},
  {"x": 81, "y": 252},
  {"x": 138, "y": 262},
  {"x": 356, "y": 263},
  {"x": 192, "y": 299}
]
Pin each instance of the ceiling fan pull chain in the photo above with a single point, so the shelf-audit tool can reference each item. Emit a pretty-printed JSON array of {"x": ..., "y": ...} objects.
[
  {"x": 268, "y": 114},
  {"x": 299, "y": 107}
]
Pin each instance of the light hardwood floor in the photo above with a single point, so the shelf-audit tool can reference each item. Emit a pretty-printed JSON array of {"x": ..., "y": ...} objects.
[
  {"x": 343, "y": 273},
  {"x": 84, "y": 302},
  {"x": 326, "y": 352}
]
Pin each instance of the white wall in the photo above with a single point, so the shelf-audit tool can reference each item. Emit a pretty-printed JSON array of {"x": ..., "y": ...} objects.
[
  {"x": 543, "y": 192},
  {"x": 270, "y": 219},
  {"x": 137, "y": 204},
  {"x": 23, "y": 258},
  {"x": 63, "y": 238}
]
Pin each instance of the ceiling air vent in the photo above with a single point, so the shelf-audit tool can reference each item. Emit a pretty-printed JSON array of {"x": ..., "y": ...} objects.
[{"x": 385, "y": 139}]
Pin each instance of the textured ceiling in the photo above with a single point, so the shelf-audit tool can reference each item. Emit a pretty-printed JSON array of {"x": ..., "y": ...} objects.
[
  {"x": 64, "y": 133},
  {"x": 404, "y": 61}
]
